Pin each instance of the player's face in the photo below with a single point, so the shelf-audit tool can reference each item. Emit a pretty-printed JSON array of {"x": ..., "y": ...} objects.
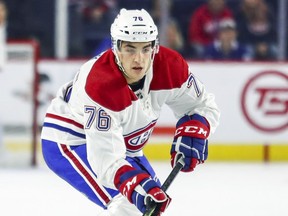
[{"x": 135, "y": 59}]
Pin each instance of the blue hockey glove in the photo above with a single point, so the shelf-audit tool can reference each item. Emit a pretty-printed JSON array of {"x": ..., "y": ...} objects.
[
  {"x": 190, "y": 140},
  {"x": 138, "y": 187}
]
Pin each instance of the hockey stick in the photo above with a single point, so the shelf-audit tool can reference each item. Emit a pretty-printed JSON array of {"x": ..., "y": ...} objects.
[{"x": 152, "y": 207}]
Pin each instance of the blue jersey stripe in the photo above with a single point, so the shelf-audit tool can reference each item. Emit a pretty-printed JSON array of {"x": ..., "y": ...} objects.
[{"x": 61, "y": 128}]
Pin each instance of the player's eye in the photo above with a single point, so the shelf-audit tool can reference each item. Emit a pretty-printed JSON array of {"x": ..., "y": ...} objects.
[
  {"x": 147, "y": 50},
  {"x": 130, "y": 50}
]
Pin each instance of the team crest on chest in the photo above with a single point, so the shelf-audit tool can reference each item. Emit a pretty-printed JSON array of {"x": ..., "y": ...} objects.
[{"x": 136, "y": 140}]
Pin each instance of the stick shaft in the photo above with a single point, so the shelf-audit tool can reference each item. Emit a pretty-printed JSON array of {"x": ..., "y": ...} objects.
[{"x": 152, "y": 207}]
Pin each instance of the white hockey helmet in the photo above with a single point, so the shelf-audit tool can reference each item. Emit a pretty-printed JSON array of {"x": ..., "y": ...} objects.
[{"x": 133, "y": 26}]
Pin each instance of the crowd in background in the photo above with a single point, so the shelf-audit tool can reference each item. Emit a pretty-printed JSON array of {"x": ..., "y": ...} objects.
[
  {"x": 3, "y": 17},
  {"x": 198, "y": 29}
]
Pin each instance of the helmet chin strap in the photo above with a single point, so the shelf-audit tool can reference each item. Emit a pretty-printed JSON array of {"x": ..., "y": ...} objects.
[{"x": 117, "y": 60}]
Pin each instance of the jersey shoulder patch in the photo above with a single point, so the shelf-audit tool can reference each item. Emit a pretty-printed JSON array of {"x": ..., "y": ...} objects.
[
  {"x": 170, "y": 70},
  {"x": 106, "y": 85}
]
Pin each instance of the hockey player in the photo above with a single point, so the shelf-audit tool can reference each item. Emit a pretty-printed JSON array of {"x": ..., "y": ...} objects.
[{"x": 95, "y": 129}]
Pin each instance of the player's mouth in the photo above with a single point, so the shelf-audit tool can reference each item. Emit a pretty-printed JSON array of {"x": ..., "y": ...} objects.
[{"x": 137, "y": 69}]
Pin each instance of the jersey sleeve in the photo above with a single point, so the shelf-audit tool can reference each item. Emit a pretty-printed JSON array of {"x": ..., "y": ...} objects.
[
  {"x": 183, "y": 92},
  {"x": 191, "y": 98}
]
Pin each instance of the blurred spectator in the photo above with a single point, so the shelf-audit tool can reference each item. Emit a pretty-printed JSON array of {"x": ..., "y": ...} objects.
[
  {"x": 102, "y": 46},
  {"x": 263, "y": 52},
  {"x": 174, "y": 38},
  {"x": 160, "y": 11},
  {"x": 257, "y": 25},
  {"x": 226, "y": 46},
  {"x": 170, "y": 33},
  {"x": 3, "y": 16},
  {"x": 97, "y": 16},
  {"x": 204, "y": 24}
]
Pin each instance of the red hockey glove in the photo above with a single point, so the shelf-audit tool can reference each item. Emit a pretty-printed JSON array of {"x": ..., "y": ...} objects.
[
  {"x": 138, "y": 187},
  {"x": 190, "y": 140}
]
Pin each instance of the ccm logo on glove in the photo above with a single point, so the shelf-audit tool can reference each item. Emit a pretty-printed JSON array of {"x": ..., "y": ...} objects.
[
  {"x": 190, "y": 141},
  {"x": 138, "y": 187},
  {"x": 192, "y": 128},
  {"x": 129, "y": 185}
]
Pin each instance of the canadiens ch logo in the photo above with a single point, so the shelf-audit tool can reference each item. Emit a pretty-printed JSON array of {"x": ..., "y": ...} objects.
[
  {"x": 136, "y": 140},
  {"x": 264, "y": 101}
]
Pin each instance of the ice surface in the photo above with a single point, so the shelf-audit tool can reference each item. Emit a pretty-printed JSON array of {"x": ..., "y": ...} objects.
[{"x": 214, "y": 189}]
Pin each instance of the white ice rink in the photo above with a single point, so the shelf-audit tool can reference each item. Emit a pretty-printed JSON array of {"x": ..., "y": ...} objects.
[{"x": 214, "y": 189}]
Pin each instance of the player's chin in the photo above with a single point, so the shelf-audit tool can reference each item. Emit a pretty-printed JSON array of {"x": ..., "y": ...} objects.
[
  {"x": 138, "y": 71},
  {"x": 138, "y": 74}
]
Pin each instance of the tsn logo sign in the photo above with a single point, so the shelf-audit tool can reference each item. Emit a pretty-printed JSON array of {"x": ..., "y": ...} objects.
[{"x": 264, "y": 101}]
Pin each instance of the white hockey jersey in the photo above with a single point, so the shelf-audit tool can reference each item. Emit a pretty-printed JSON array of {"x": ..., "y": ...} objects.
[{"x": 99, "y": 109}]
